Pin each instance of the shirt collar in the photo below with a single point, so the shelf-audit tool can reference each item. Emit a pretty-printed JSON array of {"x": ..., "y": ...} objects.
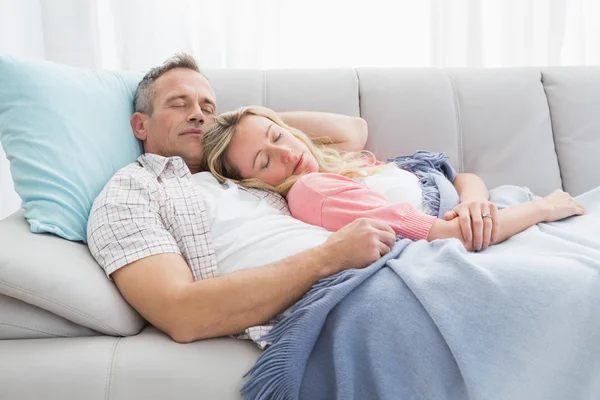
[{"x": 158, "y": 165}]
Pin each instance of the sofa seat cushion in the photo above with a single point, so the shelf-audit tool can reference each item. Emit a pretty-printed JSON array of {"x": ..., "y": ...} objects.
[
  {"x": 20, "y": 320},
  {"x": 147, "y": 366}
]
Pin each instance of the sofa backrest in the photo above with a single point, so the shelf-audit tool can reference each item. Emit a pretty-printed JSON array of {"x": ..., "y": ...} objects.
[{"x": 531, "y": 127}]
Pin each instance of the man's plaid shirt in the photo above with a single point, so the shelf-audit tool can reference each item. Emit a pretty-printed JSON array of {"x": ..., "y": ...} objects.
[{"x": 152, "y": 207}]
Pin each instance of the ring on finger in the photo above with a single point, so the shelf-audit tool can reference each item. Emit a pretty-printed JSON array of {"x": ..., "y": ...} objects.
[{"x": 486, "y": 215}]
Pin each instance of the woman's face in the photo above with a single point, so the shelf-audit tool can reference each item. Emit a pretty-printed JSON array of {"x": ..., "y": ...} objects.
[{"x": 263, "y": 150}]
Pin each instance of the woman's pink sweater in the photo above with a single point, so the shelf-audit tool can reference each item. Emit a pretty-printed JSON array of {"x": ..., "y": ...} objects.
[{"x": 333, "y": 201}]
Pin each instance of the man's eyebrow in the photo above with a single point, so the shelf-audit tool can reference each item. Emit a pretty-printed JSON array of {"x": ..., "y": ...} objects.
[
  {"x": 206, "y": 100},
  {"x": 176, "y": 97},
  {"x": 258, "y": 152}
]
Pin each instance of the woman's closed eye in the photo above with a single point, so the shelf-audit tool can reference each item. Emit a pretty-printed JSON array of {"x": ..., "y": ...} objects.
[{"x": 266, "y": 164}]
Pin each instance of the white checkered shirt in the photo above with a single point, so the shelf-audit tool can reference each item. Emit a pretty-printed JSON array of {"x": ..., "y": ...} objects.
[{"x": 153, "y": 206}]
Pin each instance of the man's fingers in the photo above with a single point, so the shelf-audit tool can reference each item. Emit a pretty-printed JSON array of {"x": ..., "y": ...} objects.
[
  {"x": 383, "y": 249},
  {"x": 385, "y": 233},
  {"x": 388, "y": 238},
  {"x": 382, "y": 226}
]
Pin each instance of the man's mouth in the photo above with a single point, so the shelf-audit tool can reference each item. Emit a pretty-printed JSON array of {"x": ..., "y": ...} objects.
[
  {"x": 295, "y": 172},
  {"x": 192, "y": 131}
]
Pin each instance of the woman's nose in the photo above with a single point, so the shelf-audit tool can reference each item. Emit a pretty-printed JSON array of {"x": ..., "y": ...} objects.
[{"x": 287, "y": 155}]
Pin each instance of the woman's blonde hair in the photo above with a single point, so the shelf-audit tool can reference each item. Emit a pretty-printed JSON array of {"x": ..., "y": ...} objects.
[{"x": 219, "y": 133}]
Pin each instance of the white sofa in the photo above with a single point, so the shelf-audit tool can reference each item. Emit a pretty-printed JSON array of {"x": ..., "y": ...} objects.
[{"x": 531, "y": 127}]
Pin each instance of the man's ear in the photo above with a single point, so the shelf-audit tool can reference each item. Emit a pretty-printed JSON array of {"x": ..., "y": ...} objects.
[{"x": 138, "y": 124}]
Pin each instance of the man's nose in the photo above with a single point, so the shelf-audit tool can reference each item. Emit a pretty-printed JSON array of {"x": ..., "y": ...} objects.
[{"x": 196, "y": 116}]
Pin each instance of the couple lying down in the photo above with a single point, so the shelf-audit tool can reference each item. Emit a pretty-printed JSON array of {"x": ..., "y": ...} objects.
[
  {"x": 449, "y": 323},
  {"x": 202, "y": 257}
]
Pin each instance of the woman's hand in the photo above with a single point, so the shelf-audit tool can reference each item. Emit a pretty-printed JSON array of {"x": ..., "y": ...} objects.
[
  {"x": 558, "y": 205},
  {"x": 479, "y": 222},
  {"x": 448, "y": 229}
]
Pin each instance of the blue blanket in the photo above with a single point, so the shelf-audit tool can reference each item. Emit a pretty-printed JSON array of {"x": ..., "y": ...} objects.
[{"x": 432, "y": 321}]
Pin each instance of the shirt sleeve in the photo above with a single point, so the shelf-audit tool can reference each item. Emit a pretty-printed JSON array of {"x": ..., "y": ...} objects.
[
  {"x": 124, "y": 225},
  {"x": 333, "y": 201}
]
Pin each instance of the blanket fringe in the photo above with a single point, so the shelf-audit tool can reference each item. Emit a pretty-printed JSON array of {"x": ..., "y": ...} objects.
[
  {"x": 269, "y": 372},
  {"x": 269, "y": 377},
  {"x": 424, "y": 164}
]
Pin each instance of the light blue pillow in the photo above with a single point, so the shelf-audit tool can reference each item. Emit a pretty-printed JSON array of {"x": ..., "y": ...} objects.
[{"x": 65, "y": 131}]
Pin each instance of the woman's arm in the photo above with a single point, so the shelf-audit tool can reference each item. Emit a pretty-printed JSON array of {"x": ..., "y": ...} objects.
[
  {"x": 470, "y": 186},
  {"x": 556, "y": 206},
  {"x": 474, "y": 204},
  {"x": 333, "y": 201},
  {"x": 513, "y": 220},
  {"x": 346, "y": 133}
]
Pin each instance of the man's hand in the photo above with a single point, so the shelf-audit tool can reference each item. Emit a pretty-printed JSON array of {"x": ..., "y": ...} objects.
[
  {"x": 359, "y": 244},
  {"x": 478, "y": 230}
]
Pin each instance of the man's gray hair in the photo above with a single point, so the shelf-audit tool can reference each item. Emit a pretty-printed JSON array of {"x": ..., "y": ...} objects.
[{"x": 144, "y": 94}]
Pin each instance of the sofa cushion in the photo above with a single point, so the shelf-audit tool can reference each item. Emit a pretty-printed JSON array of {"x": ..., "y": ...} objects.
[
  {"x": 65, "y": 131},
  {"x": 327, "y": 90},
  {"x": 62, "y": 277},
  {"x": 505, "y": 128},
  {"x": 20, "y": 320},
  {"x": 147, "y": 366},
  {"x": 574, "y": 99},
  {"x": 409, "y": 109}
]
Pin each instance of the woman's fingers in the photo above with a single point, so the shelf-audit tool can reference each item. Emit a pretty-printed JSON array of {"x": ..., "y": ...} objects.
[
  {"x": 464, "y": 215},
  {"x": 450, "y": 215},
  {"x": 488, "y": 224},
  {"x": 496, "y": 224},
  {"x": 477, "y": 225}
]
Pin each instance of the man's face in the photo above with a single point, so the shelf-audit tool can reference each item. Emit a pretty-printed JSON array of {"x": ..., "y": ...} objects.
[{"x": 183, "y": 103}]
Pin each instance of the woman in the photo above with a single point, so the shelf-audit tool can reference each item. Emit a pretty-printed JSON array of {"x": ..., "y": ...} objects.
[{"x": 255, "y": 148}]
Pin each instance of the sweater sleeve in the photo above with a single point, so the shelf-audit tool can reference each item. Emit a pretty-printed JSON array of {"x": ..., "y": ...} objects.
[{"x": 333, "y": 201}]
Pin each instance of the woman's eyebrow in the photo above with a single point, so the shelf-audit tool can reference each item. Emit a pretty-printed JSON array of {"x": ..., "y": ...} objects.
[{"x": 258, "y": 152}]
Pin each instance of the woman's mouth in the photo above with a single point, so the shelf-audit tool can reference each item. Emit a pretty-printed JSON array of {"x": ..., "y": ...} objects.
[{"x": 298, "y": 164}]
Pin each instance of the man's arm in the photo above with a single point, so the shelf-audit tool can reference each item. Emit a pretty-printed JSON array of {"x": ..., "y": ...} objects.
[
  {"x": 161, "y": 287},
  {"x": 346, "y": 133}
]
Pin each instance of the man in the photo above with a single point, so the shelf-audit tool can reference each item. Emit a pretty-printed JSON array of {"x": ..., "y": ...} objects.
[{"x": 148, "y": 230}]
